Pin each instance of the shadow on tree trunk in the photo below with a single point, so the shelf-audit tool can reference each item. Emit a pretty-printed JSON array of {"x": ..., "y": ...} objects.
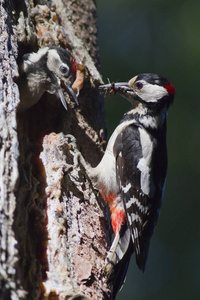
[{"x": 54, "y": 229}]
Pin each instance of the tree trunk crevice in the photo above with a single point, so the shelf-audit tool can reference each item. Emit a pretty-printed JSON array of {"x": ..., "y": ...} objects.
[{"x": 54, "y": 232}]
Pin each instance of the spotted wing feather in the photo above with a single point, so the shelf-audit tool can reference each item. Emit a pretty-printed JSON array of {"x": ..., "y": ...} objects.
[{"x": 141, "y": 210}]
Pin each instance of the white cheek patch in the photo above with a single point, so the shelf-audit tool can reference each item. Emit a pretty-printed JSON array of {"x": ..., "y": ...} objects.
[
  {"x": 53, "y": 61},
  {"x": 152, "y": 92}
]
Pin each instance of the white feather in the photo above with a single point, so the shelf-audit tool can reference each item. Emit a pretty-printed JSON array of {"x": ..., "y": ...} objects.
[
  {"x": 144, "y": 163},
  {"x": 151, "y": 92}
]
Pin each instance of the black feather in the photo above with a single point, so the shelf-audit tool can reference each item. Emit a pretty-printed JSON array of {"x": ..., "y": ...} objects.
[{"x": 144, "y": 208}]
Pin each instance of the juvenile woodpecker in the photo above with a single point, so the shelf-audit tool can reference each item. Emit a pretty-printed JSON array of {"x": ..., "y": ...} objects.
[
  {"x": 132, "y": 172},
  {"x": 50, "y": 69}
]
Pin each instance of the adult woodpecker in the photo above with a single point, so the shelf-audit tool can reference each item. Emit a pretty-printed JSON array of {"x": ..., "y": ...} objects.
[
  {"x": 132, "y": 172},
  {"x": 50, "y": 69}
]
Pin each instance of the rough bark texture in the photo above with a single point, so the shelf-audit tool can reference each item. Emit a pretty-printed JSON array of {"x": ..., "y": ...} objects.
[
  {"x": 9, "y": 97},
  {"x": 53, "y": 232}
]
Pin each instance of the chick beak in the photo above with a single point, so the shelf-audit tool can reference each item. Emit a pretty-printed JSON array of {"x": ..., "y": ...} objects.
[
  {"x": 70, "y": 92},
  {"x": 61, "y": 96}
]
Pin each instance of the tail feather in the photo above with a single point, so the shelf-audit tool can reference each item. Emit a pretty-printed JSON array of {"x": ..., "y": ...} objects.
[
  {"x": 119, "y": 246},
  {"x": 120, "y": 271},
  {"x": 118, "y": 259}
]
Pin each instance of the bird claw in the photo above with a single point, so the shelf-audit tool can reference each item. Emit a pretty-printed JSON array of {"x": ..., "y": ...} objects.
[{"x": 109, "y": 265}]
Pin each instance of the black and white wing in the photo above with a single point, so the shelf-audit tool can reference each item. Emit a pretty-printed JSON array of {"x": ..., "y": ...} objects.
[{"x": 141, "y": 162}]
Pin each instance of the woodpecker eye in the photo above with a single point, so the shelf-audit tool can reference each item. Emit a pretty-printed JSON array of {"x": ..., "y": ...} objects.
[
  {"x": 64, "y": 70},
  {"x": 139, "y": 85}
]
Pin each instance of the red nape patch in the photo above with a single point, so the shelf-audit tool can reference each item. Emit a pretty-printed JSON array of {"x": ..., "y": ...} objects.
[
  {"x": 74, "y": 65},
  {"x": 170, "y": 88}
]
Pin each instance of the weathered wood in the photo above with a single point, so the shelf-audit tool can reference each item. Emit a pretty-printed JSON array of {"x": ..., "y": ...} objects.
[
  {"x": 9, "y": 154},
  {"x": 54, "y": 234}
]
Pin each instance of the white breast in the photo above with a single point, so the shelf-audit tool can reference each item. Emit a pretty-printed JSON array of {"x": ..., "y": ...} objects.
[{"x": 106, "y": 169}]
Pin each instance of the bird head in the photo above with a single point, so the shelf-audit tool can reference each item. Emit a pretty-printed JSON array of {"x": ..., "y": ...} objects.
[{"x": 152, "y": 90}]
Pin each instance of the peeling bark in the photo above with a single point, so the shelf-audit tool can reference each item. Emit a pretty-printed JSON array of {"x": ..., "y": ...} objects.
[{"x": 54, "y": 233}]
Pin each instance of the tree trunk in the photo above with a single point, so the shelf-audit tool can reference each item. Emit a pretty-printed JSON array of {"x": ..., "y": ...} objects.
[{"x": 54, "y": 233}]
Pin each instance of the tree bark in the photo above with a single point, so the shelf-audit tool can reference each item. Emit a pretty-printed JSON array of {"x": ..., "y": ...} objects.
[{"x": 54, "y": 233}]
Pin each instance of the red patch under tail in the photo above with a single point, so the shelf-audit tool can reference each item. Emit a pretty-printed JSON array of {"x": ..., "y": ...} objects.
[{"x": 117, "y": 213}]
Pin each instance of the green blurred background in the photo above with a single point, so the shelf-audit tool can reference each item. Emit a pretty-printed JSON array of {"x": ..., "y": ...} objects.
[{"x": 162, "y": 37}]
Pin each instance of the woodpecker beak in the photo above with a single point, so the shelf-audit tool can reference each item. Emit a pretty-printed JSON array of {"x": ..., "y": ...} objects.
[{"x": 121, "y": 88}]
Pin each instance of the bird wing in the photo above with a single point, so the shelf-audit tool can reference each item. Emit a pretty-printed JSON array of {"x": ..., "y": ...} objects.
[{"x": 135, "y": 175}]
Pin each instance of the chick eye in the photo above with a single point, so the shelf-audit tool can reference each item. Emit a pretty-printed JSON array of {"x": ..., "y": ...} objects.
[
  {"x": 64, "y": 70},
  {"x": 139, "y": 85}
]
